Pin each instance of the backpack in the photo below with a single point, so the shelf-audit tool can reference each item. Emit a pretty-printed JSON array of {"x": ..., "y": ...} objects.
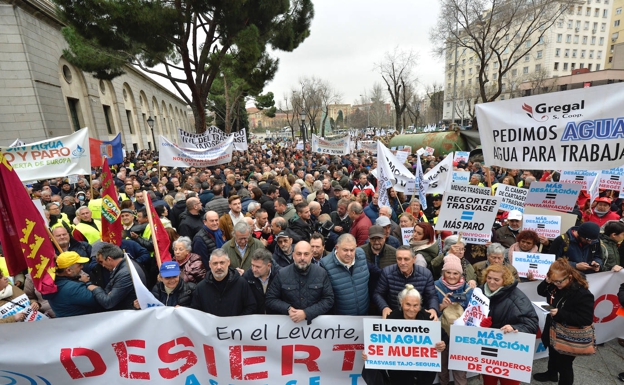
[{"x": 449, "y": 315}]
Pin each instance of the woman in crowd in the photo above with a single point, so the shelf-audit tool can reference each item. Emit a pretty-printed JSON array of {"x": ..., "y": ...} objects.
[
  {"x": 510, "y": 309},
  {"x": 453, "y": 294},
  {"x": 8, "y": 293},
  {"x": 495, "y": 252},
  {"x": 566, "y": 290},
  {"x": 453, "y": 245},
  {"x": 170, "y": 289},
  {"x": 423, "y": 242},
  {"x": 162, "y": 212},
  {"x": 406, "y": 220},
  {"x": 416, "y": 210},
  {"x": 411, "y": 309},
  {"x": 527, "y": 241},
  {"x": 611, "y": 242},
  {"x": 191, "y": 265}
]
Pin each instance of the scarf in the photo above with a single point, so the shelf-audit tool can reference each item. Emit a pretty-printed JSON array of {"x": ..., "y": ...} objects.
[
  {"x": 6, "y": 292},
  {"x": 488, "y": 293},
  {"x": 218, "y": 236},
  {"x": 456, "y": 286},
  {"x": 420, "y": 245},
  {"x": 516, "y": 247}
]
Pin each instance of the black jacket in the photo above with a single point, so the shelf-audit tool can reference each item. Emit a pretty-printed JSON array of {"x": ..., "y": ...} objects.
[
  {"x": 346, "y": 224},
  {"x": 267, "y": 204},
  {"x": 301, "y": 230},
  {"x": 174, "y": 214},
  {"x": 203, "y": 245},
  {"x": 190, "y": 224},
  {"x": 510, "y": 306},
  {"x": 235, "y": 299},
  {"x": 280, "y": 258},
  {"x": 575, "y": 304},
  {"x": 181, "y": 295},
  {"x": 310, "y": 291},
  {"x": 256, "y": 287}
]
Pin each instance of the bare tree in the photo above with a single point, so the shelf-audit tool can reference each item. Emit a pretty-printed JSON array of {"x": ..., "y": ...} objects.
[
  {"x": 291, "y": 106},
  {"x": 497, "y": 33},
  {"x": 541, "y": 83},
  {"x": 312, "y": 101},
  {"x": 378, "y": 111},
  {"x": 328, "y": 96},
  {"x": 396, "y": 71}
]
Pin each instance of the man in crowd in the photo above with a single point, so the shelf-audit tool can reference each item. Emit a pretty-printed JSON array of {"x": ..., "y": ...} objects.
[
  {"x": 228, "y": 221},
  {"x": 67, "y": 243},
  {"x": 359, "y": 223},
  {"x": 283, "y": 254},
  {"x": 87, "y": 229},
  {"x": 260, "y": 276},
  {"x": 385, "y": 223},
  {"x": 340, "y": 218},
  {"x": 302, "y": 228},
  {"x": 317, "y": 243},
  {"x": 218, "y": 203},
  {"x": 364, "y": 186},
  {"x": 282, "y": 210},
  {"x": 262, "y": 227},
  {"x": 372, "y": 210},
  {"x": 208, "y": 238},
  {"x": 223, "y": 292},
  {"x": 191, "y": 221},
  {"x": 301, "y": 290},
  {"x": 506, "y": 235},
  {"x": 581, "y": 245},
  {"x": 241, "y": 246}
]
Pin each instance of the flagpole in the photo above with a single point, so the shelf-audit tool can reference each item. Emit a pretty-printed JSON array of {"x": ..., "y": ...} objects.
[
  {"x": 151, "y": 223},
  {"x": 58, "y": 247}
]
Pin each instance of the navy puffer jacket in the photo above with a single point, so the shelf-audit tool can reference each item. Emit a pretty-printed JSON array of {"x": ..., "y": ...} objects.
[
  {"x": 392, "y": 282},
  {"x": 350, "y": 286}
]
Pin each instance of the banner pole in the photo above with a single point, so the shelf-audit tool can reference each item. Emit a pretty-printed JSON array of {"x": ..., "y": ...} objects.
[
  {"x": 148, "y": 206},
  {"x": 58, "y": 247}
]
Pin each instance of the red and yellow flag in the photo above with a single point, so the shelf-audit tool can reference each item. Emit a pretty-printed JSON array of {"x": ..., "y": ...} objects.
[
  {"x": 111, "y": 214},
  {"x": 160, "y": 237},
  {"x": 23, "y": 234}
]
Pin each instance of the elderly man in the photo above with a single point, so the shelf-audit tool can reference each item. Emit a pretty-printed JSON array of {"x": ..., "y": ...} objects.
[
  {"x": 348, "y": 274},
  {"x": 259, "y": 277},
  {"x": 340, "y": 218},
  {"x": 301, "y": 290},
  {"x": 315, "y": 210},
  {"x": 495, "y": 256},
  {"x": 67, "y": 243},
  {"x": 191, "y": 221},
  {"x": 208, "y": 238},
  {"x": 223, "y": 292},
  {"x": 385, "y": 223},
  {"x": 241, "y": 246},
  {"x": 360, "y": 223},
  {"x": 394, "y": 278},
  {"x": 283, "y": 254},
  {"x": 87, "y": 229},
  {"x": 506, "y": 235},
  {"x": 252, "y": 208},
  {"x": 232, "y": 218}
]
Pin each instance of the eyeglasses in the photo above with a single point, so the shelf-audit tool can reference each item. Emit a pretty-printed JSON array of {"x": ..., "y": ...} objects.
[{"x": 559, "y": 282}]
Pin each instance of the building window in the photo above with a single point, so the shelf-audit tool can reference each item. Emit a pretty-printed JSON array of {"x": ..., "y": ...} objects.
[
  {"x": 74, "y": 112},
  {"x": 615, "y": 36},
  {"x": 559, "y": 23},
  {"x": 597, "y": 12},
  {"x": 565, "y": 66},
  {"x": 599, "y": 55},
  {"x": 528, "y": 43},
  {"x": 582, "y": 53},
  {"x": 448, "y": 104},
  {"x": 605, "y": 12},
  {"x": 573, "y": 53},
  {"x": 538, "y": 67},
  {"x": 495, "y": 76},
  {"x": 603, "y": 26},
  {"x": 557, "y": 51},
  {"x": 589, "y": 66},
  {"x": 586, "y": 26},
  {"x": 556, "y": 68},
  {"x": 514, "y": 72},
  {"x": 129, "y": 117},
  {"x": 591, "y": 53},
  {"x": 588, "y": 11},
  {"x": 618, "y": 11},
  {"x": 597, "y": 67},
  {"x": 567, "y": 53},
  {"x": 559, "y": 37},
  {"x": 568, "y": 38},
  {"x": 576, "y": 39},
  {"x": 593, "y": 40},
  {"x": 502, "y": 97},
  {"x": 616, "y": 23},
  {"x": 601, "y": 41},
  {"x": 584, "y": 39},
  {"x": 469, "y": 81},
  {"x": 527, "y": 58},
  {"x": 582, "y": 65},
  {"x": 610, "y": 59},
  {"x": 109, "y": 119},
  {"x": 572, "y": 66},
  {"x": 525, "y": 70},
  {"x": 539, "y": 54},
  {"x": 541, "y": 40},
  {"x": 570, "y": 23}
]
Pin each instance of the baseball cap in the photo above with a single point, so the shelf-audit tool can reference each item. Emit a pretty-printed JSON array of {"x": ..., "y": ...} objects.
[
  {"x": 514, "y": 214},
  {"x": 283, "y": 234},
  {"x": 68, "y": 258},
  {"x": 338, "y": 188},
  {"x": 127, "y": 211},
  {"x": 375, "y": 232},
  {"x": 603, "y": 199},
  {"x": 169, "y": 269},
  {"x": 382, "y": 221}
]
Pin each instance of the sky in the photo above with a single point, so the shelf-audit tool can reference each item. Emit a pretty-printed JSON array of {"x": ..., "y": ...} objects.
[{"x": 348, "y": 37}]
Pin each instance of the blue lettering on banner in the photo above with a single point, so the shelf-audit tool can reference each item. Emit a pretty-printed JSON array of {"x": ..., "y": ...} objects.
[
  {"x": 492, "y": 343},
  {"x": 594, "y": 129}
]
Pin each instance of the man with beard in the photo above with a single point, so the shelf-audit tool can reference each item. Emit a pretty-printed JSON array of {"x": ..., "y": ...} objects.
[
  {"x": 223, "y": 292},
  {"x": 301, "y": 290},
  {"x": 506, "y": 235},
  {"x": 304, "y": 226},
  {"x": 283, "y": 254},
  {"x": 260, "y": 276},
  {"x": 67, "y": 243}
]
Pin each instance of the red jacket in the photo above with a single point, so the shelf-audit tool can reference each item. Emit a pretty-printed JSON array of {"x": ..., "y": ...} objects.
[
  {"x": 359, "y": 229},
  {"x": 610, "y": 216}
]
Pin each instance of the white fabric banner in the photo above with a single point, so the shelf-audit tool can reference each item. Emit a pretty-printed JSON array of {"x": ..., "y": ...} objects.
[
  {"x": 51, "y": 158},
  {"x": 400, "y": 174},
  {"x": 438, "y": 176},
  {"x": 512, "y": 197},
  {"x": 553, "y": 195},
  {"x": 421, "y": 184},
  {"x": 17, "y": 143},
  {"x": 570, "y": 130},
  {"x": 340, "y": 146},
  {"x": 212, "y": 137},
  {"x": 174, "y": 156},
  {"x": 145, "y": 297},
  {"x": 384, "y": 176}
]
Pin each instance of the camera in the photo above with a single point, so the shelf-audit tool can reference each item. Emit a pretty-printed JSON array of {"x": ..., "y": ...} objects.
[
  {"x": 458, "y": 297},
  {"x": 325, "y": 228}
]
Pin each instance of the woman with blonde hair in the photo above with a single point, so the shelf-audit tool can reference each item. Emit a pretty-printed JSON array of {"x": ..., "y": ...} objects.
[{"x": 406, "y": 221}]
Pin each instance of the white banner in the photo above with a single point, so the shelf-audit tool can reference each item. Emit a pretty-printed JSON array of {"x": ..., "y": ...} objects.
[
  {"x": 470, "y": 189},
  {"x": 212, "y": 137},
  {"x": 461, "y": 177},
  {"x": 439, "y": 175},
  {"x": 400, "y": 174},
  {"x": 402, "y": 344},
  {"x": 571, "y": 130},
  {"x": 548, "y": 226},
  {"x": 583, "y": 177},
  {"x": 421, "y": 184},
  {"x": 384, "y": 175},
  {"x": 472, "y": 215},
  {"x": 21, "y": 304},
  {"x": 594, "y": 191},
  {"x": 17, "y": 143},
  {"x": 612, "y": 179},
  {"x": 553, "y": 195},
  {"x": 512, "y": 197},
  {"x": 145, "y": 297},
  {"x": 492, "y": 352},
  {"x": 536, "y": 263},
  {"x": 406, "y": 235},
  {"x": 174, "y": 156},
  {"x": 51, "y": 158},
  {"x": 340, "y": 146},
  {"x": 477, "y": 310}
]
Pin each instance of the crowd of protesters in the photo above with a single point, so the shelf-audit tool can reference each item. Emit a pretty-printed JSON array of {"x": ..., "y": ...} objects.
[{"x": 281, "y": 231}]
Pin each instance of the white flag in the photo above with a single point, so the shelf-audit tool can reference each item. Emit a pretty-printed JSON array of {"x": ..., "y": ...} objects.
[
  {"x": 384, "y": 176},
  {"x": 438, "y": 176},
  {"x": 145, "y": 297},
  {"x": 421, "y": 185},
  {"x": 594, "y": 189}
]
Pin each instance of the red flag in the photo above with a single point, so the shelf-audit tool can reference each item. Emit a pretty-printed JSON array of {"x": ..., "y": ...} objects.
[
  {"x": 94, "y": 148},
  {"x": 159, "y": 234},
  {"x": 111, "y": 214},
  {"x": 23, "y": 234}
]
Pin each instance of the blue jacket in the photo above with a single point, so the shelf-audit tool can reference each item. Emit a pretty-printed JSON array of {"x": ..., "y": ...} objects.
[
  {"x": 119, "y": 293},
  {"x": 350, "y": 286},
  {"x": 137, "y": 252},
  {"x": 575, "y": 251},
  {"x": 392, "y": 282},
  {"x": 464, "y": 289},
  {"x": 72, "y": 298},
  {"x": 372, "y": 212}
]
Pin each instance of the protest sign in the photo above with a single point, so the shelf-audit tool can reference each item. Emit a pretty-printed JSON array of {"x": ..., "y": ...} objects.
[
  {"x": 174, "y": 156},
  {"x": 472, "y": 215},
  {"x": 492, "y": 352},
  {"x": 470, "y": 189},
  {"x": 461, "y": 177},
  {"x": 537, "y": 264},
  {"x": 402, "y": 156},
  {"x": 437, "y": 177},
  {"x": 402, "y": 344},
  {"x": 340, "y": 146},
  {"x": 544, "y": 225},
  {"x": 406, "y": 234},
  {"x": 384, "y": 175},
  {"x": 212, "y": 137},
  {"x": 21, "y": 304},
  {"x": 477, "y": 310},
  {"x": 397, "y": 170},
  {"x": 612, "y": 179},
  {"x": 51, "y": 158},
  {"x": 512, "y": 197},
  {"x": 581, "y": 177},
  {"x": 429, "y": 150},
  {"x": 460, "y": 156},
  {"x": 571, "y": 130},
  {"x": 369, "y": 146},
  {"x": 567, "y": 220},
  {"x": 553, "y": 195},
  {"x": 420, "y": 151}
]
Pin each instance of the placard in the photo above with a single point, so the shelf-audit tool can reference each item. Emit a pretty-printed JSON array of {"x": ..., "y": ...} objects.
[
  {"x": 477, "y": 310},
  {"x": 402, "y": 344},
  {"x": 536, "y": 263},
  {"x": 9, "y": 309},
  {"x": 460, "y": 156},
  {"x": 553, "y": 195},
  {"x": 512, "y": 197},
  {"x": 402, "y": 156},
  {"x": 492, "y": 352},
  {"x": 567, "y": 220},
  {"x": 612, "y": 179},
  {"x": 461, "y": 177},
  {"x": 472, "y": 215},
  {"x": 581, "y": 177},
  {"x": 340, "y": 146},
  {"x": 471, "y": 189},
  {"x": 406, "y": 234},
  {"x": 548, "y": 226}
]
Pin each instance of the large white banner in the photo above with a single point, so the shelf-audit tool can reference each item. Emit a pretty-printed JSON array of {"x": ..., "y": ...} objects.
[
  {"x": 471, "y": 215},
  {"x": 401, "y": 175},
  {"x": 170, "y": 154},
  {"x": 384, "y": 176},
  {"x": 340, "y": 146},
  {"x": 437, "y": 177},
  {"x": 571, "y": 130},
  {"x": 51, "y": 158},
  {"x": 212, "y": 137}
]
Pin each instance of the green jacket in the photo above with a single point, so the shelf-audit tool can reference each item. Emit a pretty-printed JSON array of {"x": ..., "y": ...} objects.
[
  {"x": 610, "y": 253},
  {"x": 238, "y": 260}
]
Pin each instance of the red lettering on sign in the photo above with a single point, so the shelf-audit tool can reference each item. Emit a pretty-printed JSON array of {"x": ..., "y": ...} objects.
[
  {"x": 288, "y": 359},
  {"x": 211, "y": 363},
  {"x": 349, "y": 356},
  {"x": 123, "y": 357},
  {"x": 99, "y": 367},
  {"x": 189, "y": 357},
  {"x": 237, "y": 362},
  {"x": 616, "y": 305}
]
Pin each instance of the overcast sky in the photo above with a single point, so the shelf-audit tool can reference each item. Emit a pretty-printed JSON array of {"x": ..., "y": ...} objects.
[{"x": 349, "y": 36}]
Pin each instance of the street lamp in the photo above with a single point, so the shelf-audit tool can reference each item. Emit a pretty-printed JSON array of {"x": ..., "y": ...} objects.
[
  {"x": 150, "y": 123},
  {"x": 302, "y": 116}
]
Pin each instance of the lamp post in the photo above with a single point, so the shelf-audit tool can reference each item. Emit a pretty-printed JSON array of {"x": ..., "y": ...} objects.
[
  {"x": 302, "y": 116},
  {"x": 150, "y": 123}
]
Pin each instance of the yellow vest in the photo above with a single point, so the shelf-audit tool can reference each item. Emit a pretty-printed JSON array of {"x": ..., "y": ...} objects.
[
  {"x": 64, "y": 218},
  {"x": 95, "y": 205},
  {"x": 92, "y": 235},
  {"x": 494, "y": 187},
  {"x": 521, "y": 183}
]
